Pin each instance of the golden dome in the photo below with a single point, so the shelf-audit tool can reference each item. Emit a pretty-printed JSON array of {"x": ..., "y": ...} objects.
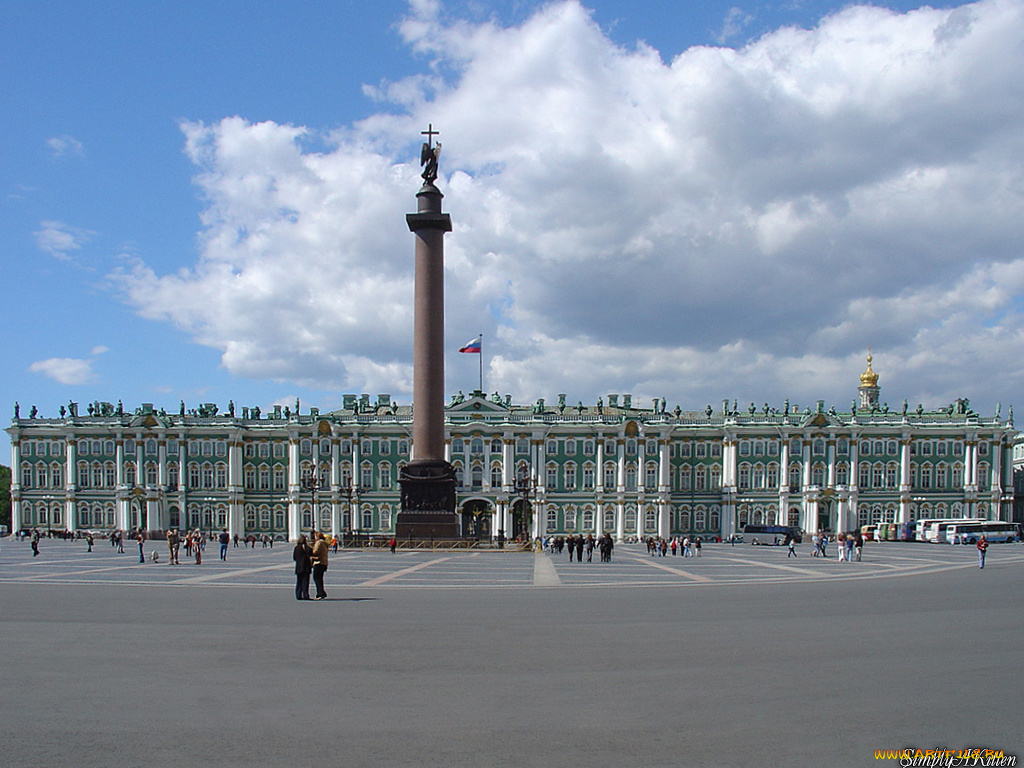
[{"x": 869, "y": 378}]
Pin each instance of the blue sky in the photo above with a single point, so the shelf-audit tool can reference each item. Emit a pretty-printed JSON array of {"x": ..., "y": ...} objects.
[{"x": 205, "y": 202}]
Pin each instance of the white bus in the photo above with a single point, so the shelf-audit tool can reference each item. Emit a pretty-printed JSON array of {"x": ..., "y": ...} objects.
[
  {"x": 935, "y": 530},
  {"x": 996, "y": 531}
]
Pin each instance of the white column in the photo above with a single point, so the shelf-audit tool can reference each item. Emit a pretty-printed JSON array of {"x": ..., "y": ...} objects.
[
  {"x": 294, "y": 500},
  {"x": 805, "y": 457},
  {"x": 854, "y": 463},
  {"x": 508, "y": 464},
  {"x": 16, "y": 523},
  {"x": 730, "y": 462},
  {"x": 830, "y": 476},
  {"x": 620, "y": 469},
  {"x": 664, "y": 522},
  {"x": 664, "y": 451},
  {"x": 905, "y": 484},
  {"x": 161, "y": 462},
  {"x": 620, "y": 520},
  {"x": 236, "y": 495},
  {"x": 599, "y": 478}
]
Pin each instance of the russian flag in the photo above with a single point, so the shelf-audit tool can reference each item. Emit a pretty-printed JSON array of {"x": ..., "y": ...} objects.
[{"x": 472, "y": 346}]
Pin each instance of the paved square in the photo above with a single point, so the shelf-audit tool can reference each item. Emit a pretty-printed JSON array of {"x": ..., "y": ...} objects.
[{"x": 740, "y": 657}]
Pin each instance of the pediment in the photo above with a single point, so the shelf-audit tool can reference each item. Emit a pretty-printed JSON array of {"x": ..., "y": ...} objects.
[{"x": 476, "y": 404}]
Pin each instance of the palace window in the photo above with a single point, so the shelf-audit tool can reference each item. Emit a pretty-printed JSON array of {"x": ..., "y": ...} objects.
[
  {"x": 588, "y": 518},
  {"x": 609, "y": 518},
  {"x": 496, "y": 475},
  {"x": 701, "y": 478},
  {"x": 588, "y": 477},
  {"x": 609, "y": 475},
  {"x": 570, "y": 477}
]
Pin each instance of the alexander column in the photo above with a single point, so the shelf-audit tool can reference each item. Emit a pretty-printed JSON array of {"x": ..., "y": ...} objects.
[{"x": 428, "y": 480}]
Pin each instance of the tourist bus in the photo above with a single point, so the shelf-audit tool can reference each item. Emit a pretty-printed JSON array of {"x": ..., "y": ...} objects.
[
  {"x": 935, "y": 530},
  {"x": 995, "y": 531},
  {"x": 887, "y": 532},
  {"x": 868, "y": 532},
  {"x": 769, "y": 532}
]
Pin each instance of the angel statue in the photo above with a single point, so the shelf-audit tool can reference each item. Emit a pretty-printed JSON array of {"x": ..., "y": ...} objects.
[{"x": 428, "y": 159}]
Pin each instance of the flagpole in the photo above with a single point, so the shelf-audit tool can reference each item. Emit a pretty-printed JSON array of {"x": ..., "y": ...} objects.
[{"x": 481, "y": 365}]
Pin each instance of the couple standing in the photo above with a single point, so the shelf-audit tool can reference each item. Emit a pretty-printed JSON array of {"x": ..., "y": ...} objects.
[{"x": 310, "y": 560}]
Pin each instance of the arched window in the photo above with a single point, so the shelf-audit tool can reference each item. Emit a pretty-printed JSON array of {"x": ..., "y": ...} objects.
[
  {"x": 588, "y": 518},
  {"x": 609, "y": 517},
  {"x": 496, "y": 475},
  {"x": 570, "y": 518},
  {"x": 650, "y": 520},
  {"x": 651, "y": 476},
  {"x": 818, "y": 474},
  {"x": 631, "y": 477},
  {"x": 570, "y": 476},
  {"x": 744, "y": 478}
]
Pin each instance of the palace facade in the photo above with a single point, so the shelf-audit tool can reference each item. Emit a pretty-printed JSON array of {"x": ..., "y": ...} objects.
[{"x": 523, "y": 470}]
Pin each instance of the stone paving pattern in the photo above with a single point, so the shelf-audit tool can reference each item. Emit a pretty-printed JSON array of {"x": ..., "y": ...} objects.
[{"x": 739, "y": 658}]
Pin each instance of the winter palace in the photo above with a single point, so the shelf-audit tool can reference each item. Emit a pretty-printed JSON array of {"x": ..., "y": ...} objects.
[{"x": 523, "y": 470}]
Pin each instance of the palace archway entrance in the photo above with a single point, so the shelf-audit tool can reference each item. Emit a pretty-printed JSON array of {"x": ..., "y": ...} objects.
[{"x": 476, "y": 519}]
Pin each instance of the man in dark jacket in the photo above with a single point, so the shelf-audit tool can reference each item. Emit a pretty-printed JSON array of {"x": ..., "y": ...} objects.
[{"x": 302, "y": 555}]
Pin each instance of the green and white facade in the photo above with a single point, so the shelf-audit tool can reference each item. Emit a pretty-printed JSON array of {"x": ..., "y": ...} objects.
[{"x": 612, "y": 466}]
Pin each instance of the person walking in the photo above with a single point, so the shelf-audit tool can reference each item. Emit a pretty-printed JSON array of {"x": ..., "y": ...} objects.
[
  {"x": 302, "y": 555},
  {"x": 858, "y": 544},
  {"x": 393, "y": 544},
  {"x": 173, "y": 543},
  {"x": 982, "y": 546},
  {"x": 224, "y": 540},
  {"x": 320, "y": 555},
  {"x": 792, "y": 547},
  {"x": 35, "y": 542},
  {"x": 140, "y": 537},
  {"x": 88, "y": 540}
]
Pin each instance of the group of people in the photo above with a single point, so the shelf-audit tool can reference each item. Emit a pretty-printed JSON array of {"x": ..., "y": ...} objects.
[
  {"x": 849, "y": 546},
  {"x": 578, "y": 544},
  {"x": 678, "y": 545},
  {"x": 310, "y": 561}
]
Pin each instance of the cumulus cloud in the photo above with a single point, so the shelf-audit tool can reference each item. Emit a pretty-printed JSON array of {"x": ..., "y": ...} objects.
[
  {"x": 65, "y": 370},
  {"x": 64, "y": 146},
  {"x": 59, "y": 239},
  {"x": 734, "y": 222}
]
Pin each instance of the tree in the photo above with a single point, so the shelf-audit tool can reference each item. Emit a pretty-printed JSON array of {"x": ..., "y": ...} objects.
[{"x": 5, "y": 496}]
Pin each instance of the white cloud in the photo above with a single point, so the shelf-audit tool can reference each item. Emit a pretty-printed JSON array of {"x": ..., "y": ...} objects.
[
  {"x": 64, "y": 145},
  {"x": 99, "y": 349},
  {"x": 65, "y": 370},
  {"x": 733, "y": 221},
  {"x": 58, "y": 238}
]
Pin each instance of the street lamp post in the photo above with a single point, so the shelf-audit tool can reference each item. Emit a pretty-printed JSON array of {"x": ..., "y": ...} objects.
[
  {"x": 526, "y": 488},
  {"x": 311, "y": 483},
  {"x": 347, "y": 493}
]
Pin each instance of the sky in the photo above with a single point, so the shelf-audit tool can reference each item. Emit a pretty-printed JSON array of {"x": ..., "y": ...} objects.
[{"x": 204, "y": 202}]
